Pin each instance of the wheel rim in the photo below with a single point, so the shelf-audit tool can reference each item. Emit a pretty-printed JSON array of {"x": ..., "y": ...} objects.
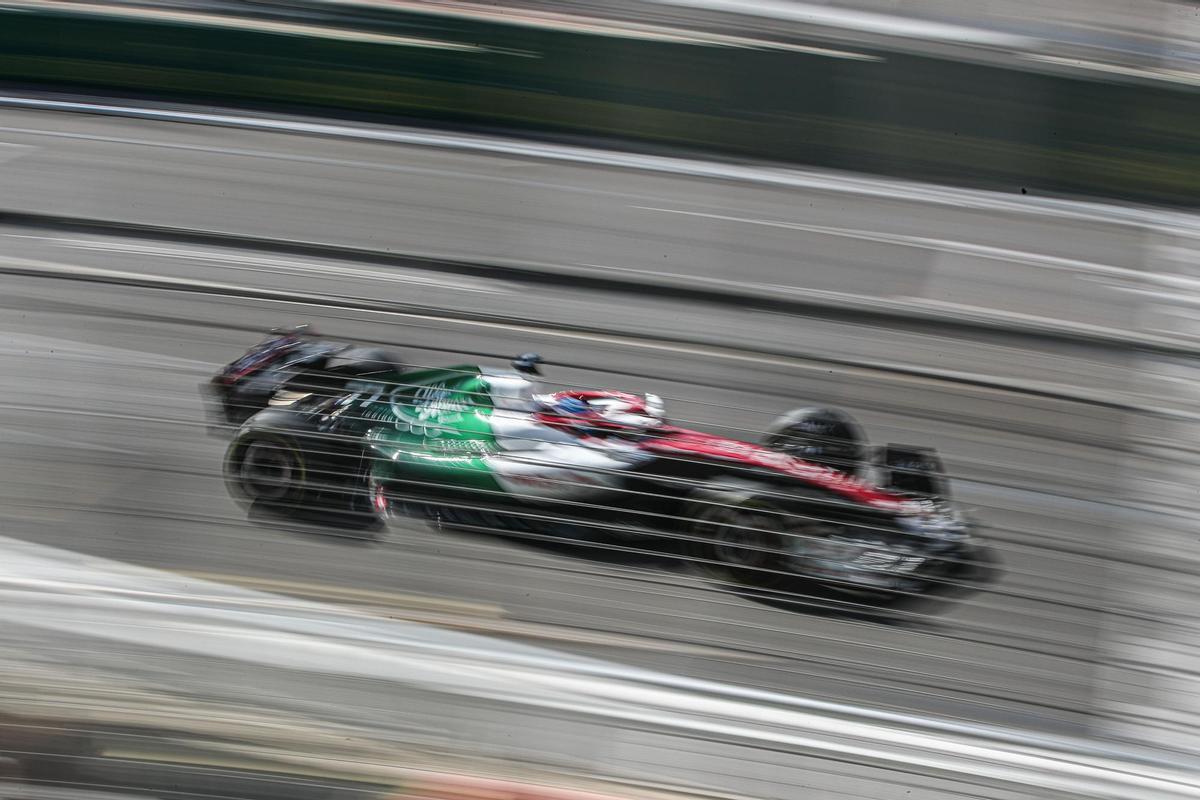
[
  {"x": 268, "y": 471},
  {"x": 741, "y": 538}
]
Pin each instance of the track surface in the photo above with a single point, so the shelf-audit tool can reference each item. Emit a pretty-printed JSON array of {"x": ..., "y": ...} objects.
[{"x": 102, "y": 448}]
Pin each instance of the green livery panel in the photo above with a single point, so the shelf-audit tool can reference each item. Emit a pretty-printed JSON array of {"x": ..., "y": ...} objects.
[{"x": 429, "y": 426}]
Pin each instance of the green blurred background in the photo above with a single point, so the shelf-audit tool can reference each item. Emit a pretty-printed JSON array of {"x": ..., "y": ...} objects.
[{"x": 871, "y": 110}]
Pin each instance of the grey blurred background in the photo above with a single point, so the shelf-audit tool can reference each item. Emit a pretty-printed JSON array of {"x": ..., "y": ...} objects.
[{"x": 968, "y": 223}]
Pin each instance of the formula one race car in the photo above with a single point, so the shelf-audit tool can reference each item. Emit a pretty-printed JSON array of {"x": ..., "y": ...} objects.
[{"x": 351, "y": 432}]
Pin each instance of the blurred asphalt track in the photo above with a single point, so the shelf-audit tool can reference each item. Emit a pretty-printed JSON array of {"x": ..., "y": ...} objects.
[{"x": 103, "y": 451}]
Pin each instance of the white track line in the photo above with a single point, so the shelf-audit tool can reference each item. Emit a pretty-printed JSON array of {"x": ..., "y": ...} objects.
[
  {"x": 846, "y": 19},
  {"x": 232, "y": 260},
  {"x": 927, "y": 243}
]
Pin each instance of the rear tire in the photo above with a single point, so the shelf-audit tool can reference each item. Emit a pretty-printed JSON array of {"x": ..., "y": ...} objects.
[{"x": 262, "y": 469}]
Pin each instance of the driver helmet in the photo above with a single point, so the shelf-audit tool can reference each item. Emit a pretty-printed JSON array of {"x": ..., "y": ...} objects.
[
  {"x": 578, "y": 414},
  {"x": 573, "y": 407}
]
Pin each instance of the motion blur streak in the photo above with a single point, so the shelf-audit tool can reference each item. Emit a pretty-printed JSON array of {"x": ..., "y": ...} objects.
[{"x": 161, "y": 636}]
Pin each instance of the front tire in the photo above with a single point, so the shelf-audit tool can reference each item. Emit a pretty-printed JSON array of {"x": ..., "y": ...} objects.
[
  {"x": 745, "y": 534},
  {"x": 826, "y": 436},
  {"x": 738, "y": 537}
]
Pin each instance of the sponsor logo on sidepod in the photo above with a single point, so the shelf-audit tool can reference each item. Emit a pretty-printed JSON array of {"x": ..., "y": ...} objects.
[{"x": 428, "y": 411}]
